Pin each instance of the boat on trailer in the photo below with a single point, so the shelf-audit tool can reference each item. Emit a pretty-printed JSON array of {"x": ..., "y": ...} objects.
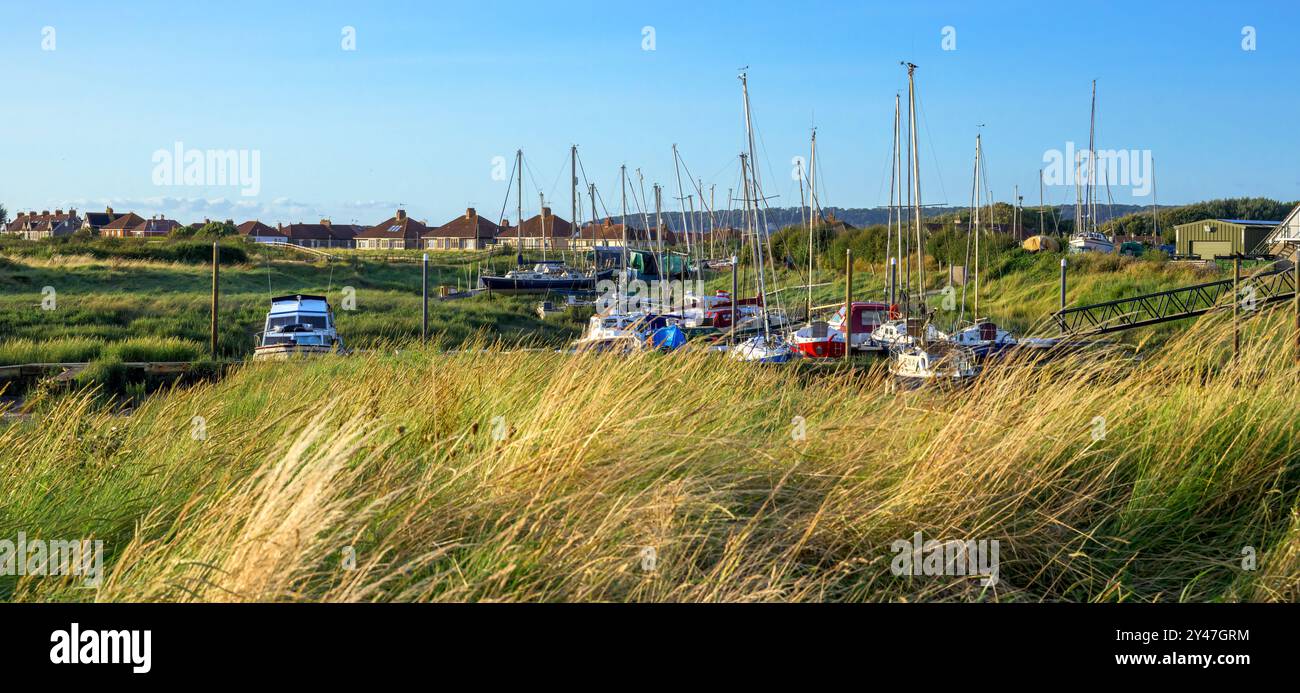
[{"x": 300, "y": 325}]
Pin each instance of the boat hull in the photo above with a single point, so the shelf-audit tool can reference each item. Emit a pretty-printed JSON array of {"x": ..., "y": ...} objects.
[
  {"x": 285, "y": 352},
  {"x": 505, "y": 285}
]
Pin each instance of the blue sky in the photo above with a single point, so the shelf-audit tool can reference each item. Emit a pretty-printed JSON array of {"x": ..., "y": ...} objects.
[{"x": 434, "y": 91}]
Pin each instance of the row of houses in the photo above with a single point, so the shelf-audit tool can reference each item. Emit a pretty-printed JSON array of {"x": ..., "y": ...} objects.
[
  {"x": 469, "y": 231},
  {"x": 46, "y": 224}
]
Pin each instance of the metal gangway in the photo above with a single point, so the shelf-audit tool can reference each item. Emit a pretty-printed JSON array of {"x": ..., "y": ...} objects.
[{"x": 1274, "y": 284}]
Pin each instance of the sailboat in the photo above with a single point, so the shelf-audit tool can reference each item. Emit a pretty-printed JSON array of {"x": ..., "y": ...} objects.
[
  {"x": 1087, "y": 238},
  {"x": 918, "y": 350},
  {"x": 545, "y": 276},
  {"x": 768, "y": 346}
]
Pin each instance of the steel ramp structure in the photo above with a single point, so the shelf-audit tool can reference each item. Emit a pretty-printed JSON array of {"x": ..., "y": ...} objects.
[{"x": 1261, "y": 289}]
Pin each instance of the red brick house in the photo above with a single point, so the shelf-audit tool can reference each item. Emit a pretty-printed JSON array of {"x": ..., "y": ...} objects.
[
  {"x": 466, "y": 232},
  {"x": 545, "y": 229},
  {"x": 397, "y": 233}
]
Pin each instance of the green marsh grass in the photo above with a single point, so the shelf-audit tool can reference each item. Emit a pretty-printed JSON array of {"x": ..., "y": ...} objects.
[{"x": 488, "y": 474}]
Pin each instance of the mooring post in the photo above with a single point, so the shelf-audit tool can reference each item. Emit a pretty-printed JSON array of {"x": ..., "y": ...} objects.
[
  {"x": 893, "y": 283},
  {"x": 848, "y": 304},
  {"x": 1236, "y": 305},
  {"x": 735, "y": 297},
  {"x": 424, "y": 299},
  {"x": 216, "y": 264}
]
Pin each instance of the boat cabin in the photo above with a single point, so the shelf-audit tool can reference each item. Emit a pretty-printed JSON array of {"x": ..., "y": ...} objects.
[
  {"x": 866, "y": 317},
  {"x": 300, "y": 320}
]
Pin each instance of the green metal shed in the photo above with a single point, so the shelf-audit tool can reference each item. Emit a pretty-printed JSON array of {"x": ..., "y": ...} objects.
[{"x": 1211, "y": 237}]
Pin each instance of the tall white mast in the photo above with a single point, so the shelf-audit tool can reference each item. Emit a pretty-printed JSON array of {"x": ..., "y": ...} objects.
[
  {"x": 519, "y": 198},
  {"x": 975, "y": 312},
  {"x": 573, "y": 190},
  {"x": 749, "y": 136},
  {"x": 916, "y": 184},
  {"x": 897, "y": 186},
  {"x": 622, "y": 176},
  {"x": 681, "y": 201}
]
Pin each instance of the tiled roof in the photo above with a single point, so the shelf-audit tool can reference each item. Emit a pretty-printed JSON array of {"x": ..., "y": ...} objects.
[
  {"x": 322, "y": 232},
  {"x": 399, "y": 226},
  {"x": 256, "y": 228},
  {"x": 130, "y": 220},
  {"x": 467, "y": 225},
  {"x": 544, "y": 224},
  {"x": 45, "y": 219}
]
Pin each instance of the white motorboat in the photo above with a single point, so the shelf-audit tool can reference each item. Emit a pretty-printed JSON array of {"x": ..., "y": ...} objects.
[
  {"x": 938, "y": 361},
  {"x": 298, "y": 325},
  {"x": 768, "y": 348},
  {"x": 1091, "y": 242},
  {"x": 983, "y": 338},
  {"x": 895, "y": 334}
]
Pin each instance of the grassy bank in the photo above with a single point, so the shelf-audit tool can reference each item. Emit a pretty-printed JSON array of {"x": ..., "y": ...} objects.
[{"x": 540, "y": 476}]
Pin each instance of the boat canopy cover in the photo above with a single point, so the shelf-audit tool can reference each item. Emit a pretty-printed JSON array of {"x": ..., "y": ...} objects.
[
  {"x": 668, "y": 338},
  {"x": 282, "y": 305}
]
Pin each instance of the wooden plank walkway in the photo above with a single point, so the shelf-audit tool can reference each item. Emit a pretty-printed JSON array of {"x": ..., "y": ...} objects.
[{"x": 69, "y": 370}]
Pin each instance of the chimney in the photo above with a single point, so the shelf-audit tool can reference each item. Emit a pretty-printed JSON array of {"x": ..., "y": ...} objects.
[
  {"x": 470, "y": 213},
  {"x": 108, "y": 210},
  {"x": 401, "y": 214},
  {"x": 546, "y": 212},
  {"x": 325, "y": 223},
  {"x": 279, "y": 226},
  {"x": 22, "y": 214}
]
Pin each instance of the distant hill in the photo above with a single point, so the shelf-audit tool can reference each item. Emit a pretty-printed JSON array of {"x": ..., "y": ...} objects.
[
  {"x": 1256, "y": 208},
  {"x": 861, "y": 217},
  {"x": 1130, "y": 220}
]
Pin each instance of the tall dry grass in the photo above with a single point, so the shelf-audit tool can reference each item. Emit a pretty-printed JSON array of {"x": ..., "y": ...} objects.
[{"x": 526, "y": 476}]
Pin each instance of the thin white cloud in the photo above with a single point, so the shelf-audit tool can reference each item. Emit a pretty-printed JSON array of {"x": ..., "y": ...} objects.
[{"x": 281, "y": 209}]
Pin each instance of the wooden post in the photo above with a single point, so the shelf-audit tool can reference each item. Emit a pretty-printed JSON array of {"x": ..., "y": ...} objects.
[
  {"x": 735, "y": 297},
  {"x": 424, "y": 295},
  {"x": 1295, "y": 281},
  {"x": 216, "y": 264},
  {"x": 848, "y": 304},
  {"x": 1236, "y": 305}
]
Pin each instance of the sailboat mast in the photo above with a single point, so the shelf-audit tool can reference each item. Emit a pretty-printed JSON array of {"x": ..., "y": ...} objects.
[
  {"x": 749, "y": 135},
  {"x": 573, "y": 187},
  {"x": 1091, "y": 196},
  {"x": 916, "y": 184},
  {"x": 975, "y": 312},
  {"x": 659, "y": 223},
  {"x": 591, "y": 195},
  {"x": 519, "y": 198},
  {"x": 712, "y": 251},
  {"x": 812, "y": 201},
  {"x": 541, "y": 214},
  {"x": 681, "y": 200},
  {"x": 622, "y": 176},
  {"x": 896, "y": 192}
]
